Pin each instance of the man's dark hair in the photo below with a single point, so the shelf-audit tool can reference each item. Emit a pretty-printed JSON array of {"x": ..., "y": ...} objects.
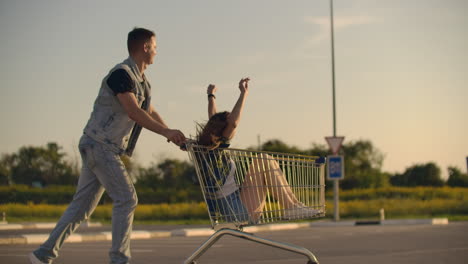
[{"x": 137, "y": 37}]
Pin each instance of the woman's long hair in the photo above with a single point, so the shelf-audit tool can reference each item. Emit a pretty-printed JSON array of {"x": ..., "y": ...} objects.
[{"x": 211, "y": 133}]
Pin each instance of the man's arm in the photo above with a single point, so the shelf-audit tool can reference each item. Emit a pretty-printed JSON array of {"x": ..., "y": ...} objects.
[
  {"x": 155, "y": 115},
  {"x": 144, "y": 119}
]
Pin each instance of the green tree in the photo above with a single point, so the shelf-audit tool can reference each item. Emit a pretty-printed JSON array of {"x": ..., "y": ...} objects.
[
  {"x": 176, "y": 173},
  {"x": 170, "y": 181},
  {"x": 5, "y": 169},
  {"x": 319, "y": 150},
  {"x": 276, "y": 145},
  {"x": 363, "y": 164},
  {"x": 419, "y": 175},
  {"x": 150, "y": 177},
  {"x": 170, "y": 173},
  {"x": 457, "y": 178},
  {"x": 42, "y": 165}
]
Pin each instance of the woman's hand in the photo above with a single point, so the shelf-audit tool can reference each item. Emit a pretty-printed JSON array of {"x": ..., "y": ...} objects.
[
  {"x": 244, "y": 85},
  {"x": 211, "y": 89}
]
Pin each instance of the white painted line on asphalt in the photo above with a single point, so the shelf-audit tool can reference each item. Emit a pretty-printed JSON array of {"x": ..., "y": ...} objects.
[
  {"x": 156, "y": 234},
  {"x": 251, "y": 229},
  {"x": 44, "y": 225},
  {"x": 288, "y": 226},
  {"x": 91, "y": 224},
  {"x": 35, "y": 238},
  {"x": 75, "y": 238},
  {"x": 10, "y": 226},
  {"x": 107, "y": 234},
  {"x": 433, "y": 221},
  {"x": 51, "y": 225},
  {"x": 193, "y": 232},
  {"x": 440, "y": 221},
  {"x": 140, "y": 235},
  {"x": 41, "y": 238},
  {"x": 332, "y": 223}
]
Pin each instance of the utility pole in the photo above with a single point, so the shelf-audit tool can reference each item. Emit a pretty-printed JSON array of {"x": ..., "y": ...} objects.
[{"x": 336, "y": 186}]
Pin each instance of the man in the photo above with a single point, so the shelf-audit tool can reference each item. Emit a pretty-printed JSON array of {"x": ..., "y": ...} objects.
[{"x": 121, "y": 109}]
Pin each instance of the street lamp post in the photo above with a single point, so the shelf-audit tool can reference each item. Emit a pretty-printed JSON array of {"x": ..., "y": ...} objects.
[{"x": 336, "y": 186}]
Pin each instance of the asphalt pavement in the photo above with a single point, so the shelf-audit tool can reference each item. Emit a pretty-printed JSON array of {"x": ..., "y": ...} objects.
[
  {"x": 399, "y": 241},
  {"x": 36, "y": 233}
]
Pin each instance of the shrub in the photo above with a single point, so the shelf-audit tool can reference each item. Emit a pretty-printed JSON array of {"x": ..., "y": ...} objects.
[
  {"x": 179, "y": 211},
  {"x": 417, "y": 193},
  {"x": 64, "y": 195}
]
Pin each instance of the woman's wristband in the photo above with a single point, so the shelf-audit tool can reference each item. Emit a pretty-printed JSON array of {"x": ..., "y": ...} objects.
[{"x": 211, "y": 95}]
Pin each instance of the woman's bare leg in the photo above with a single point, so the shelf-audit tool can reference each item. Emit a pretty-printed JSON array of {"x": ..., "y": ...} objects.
[
  {"x": 279, "y": 187},
  {"x": 253, "y": 192},
  {"x": 265, "y": 175}
]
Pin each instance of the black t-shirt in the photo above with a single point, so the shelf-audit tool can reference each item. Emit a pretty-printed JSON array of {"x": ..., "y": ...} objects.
[{"x": 120, "y": 82}]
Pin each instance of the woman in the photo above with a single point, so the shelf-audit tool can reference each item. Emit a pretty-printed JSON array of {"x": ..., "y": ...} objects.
[{"x": 245, "y": 199}]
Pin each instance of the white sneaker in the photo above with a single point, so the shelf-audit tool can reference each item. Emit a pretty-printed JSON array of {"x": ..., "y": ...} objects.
[
  {"x": 300, "y": 213},
  {"x": 34, "y": 260}
]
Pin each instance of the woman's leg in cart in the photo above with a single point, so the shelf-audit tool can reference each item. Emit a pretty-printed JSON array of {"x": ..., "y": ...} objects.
[
  {"x": 265, "y": 175},
  {"x": 253, "y": 193}
]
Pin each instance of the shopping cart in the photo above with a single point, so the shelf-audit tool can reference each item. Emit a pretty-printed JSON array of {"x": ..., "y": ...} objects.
[{"x": 244, "y": 187}]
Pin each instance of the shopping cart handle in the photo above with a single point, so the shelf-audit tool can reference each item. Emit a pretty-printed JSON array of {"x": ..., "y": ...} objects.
[
  {"x": 320, "y": 160},
  {"x": 183, "y": 147}
]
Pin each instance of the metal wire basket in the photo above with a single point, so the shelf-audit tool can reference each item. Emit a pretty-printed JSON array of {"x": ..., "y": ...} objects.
[{"x": 246, "y": 187}]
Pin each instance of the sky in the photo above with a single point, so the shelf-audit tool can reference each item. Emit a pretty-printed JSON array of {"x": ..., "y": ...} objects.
[{"x": 400, "y": 69}]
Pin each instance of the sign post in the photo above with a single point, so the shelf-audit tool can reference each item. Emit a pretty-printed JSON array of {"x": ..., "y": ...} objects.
[
  {"x": 334, "y": 142},
  {"x": 335, "y": 172}
]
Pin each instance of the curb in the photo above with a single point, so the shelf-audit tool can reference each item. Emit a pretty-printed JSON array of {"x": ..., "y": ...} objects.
[
  {"x": 107, "y": 236},
  {"x": 433, "y": 221},
  {"x": 41, "y": 226},
  {"x": 193, "y": 232}
]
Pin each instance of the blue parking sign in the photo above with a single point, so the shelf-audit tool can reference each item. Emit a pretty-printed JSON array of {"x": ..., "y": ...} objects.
[{"x": 335, "y": 168}]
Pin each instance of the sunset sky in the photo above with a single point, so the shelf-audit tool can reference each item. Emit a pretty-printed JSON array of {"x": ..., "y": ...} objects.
[{"x": 401, "y": 71}]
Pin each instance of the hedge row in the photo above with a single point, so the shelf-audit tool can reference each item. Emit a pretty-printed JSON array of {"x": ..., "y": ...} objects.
[
  {"x": 416, "y": 193},
  {"x": 394, "y": 208},
  {"x": 398, "y": 208},
  {"x": 178, "y": 211},
  {"x": 63, "y": 194},
  {"x": 23, "y": 194}
]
